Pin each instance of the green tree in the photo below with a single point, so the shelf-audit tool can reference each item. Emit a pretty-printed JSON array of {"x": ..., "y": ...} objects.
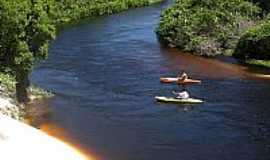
[{"x": 25, "y": 34}]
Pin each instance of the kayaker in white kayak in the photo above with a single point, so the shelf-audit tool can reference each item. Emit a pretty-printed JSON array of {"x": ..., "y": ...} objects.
[{"x": 183, "y": 94}]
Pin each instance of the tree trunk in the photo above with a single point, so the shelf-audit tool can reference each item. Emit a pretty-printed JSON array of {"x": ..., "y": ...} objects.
[{"x": 22, "y": 83}]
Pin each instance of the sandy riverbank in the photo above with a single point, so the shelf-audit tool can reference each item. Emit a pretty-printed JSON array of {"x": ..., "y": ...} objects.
[{"x": 19, "y": 141}]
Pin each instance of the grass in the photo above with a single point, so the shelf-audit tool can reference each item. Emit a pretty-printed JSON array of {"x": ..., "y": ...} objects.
[
  {"x": 155, "y": 1},
  {"x": 39, "y": 93},
  {"x": 7, "y": 82},
  {"x": 228, "y": 53},
  {"x": 259, "y": 63}
]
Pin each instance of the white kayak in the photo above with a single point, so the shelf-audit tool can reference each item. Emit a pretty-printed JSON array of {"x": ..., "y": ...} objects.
[{"x": 177, "y": 100}]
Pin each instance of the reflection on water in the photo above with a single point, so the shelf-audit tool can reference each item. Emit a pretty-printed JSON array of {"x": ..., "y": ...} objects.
[{"x": 105, "y": 75}]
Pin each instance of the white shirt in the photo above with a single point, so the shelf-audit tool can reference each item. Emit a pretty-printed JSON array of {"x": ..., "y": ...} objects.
[{"x": 183, "y": 95}]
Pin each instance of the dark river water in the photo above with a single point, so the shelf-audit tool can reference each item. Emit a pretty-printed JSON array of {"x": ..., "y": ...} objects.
[{"x": 105, "y": 73}]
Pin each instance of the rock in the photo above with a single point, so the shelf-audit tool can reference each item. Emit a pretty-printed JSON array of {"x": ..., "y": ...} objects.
[{"x": 9, "y": 108}]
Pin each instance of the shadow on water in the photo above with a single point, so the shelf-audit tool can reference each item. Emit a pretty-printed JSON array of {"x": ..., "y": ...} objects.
[{"x": 105, "y": 75}]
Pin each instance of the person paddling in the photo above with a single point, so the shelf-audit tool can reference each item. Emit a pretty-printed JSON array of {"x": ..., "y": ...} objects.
[
  {"x": 182, "y": 77},
  {"x": 180, "y": 82},
  {"x": 181, "y": 95}
]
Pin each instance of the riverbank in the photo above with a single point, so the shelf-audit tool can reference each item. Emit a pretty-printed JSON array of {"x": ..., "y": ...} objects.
[
  {"x": 20, "y": 141},
  {"x": 8, "y": 103},
  {"x": 259, "y": 63},
  {"x": 72, "y": 13}
]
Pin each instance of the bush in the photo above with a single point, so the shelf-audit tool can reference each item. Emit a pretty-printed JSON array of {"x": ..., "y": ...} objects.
[
  {"x": 255, "y": 42},
  {"x": 68, "y": 10},
  {"x": 206, "y": 27},
  {"x": 7, "y": 82}
]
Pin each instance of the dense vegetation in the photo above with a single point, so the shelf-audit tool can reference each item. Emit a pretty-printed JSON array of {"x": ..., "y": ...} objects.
[
  {"x": 206, "y": 27},
  {"x": 26, "y": 30},
  {"x": 264, "y": 4},
  {"x": 210, "y": 27},
  {"x": 255, "y": 42},
  {"x": 27, "y": 26}
]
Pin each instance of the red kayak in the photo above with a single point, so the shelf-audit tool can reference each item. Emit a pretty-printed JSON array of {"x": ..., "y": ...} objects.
[{"x": 185, "y": 82}]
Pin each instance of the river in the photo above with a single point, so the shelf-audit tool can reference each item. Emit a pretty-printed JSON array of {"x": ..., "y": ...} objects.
[{"x": 105, "y": 73}]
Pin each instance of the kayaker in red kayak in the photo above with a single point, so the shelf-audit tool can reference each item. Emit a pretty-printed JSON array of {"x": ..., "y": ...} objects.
[{"x": 182, "y": 78}]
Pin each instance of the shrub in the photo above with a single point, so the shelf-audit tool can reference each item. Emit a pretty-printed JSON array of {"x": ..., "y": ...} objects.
[
  {"x": 206, "y": 27},
  {"x": 255, "y": 42},
  {"x": 7, "y": 82},
  {"x": 264, "y": 4}
]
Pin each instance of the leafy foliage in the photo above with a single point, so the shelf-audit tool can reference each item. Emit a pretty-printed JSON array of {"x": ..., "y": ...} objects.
[
  {"x": 255, "y": 42},
  {"x": 25, "y": 29},
  {"x": 206, "y": 27},
  {"x": 264, "y": 4},
  {"x": 7, "y": 81},
  {"x": 67, "y": 10}
]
